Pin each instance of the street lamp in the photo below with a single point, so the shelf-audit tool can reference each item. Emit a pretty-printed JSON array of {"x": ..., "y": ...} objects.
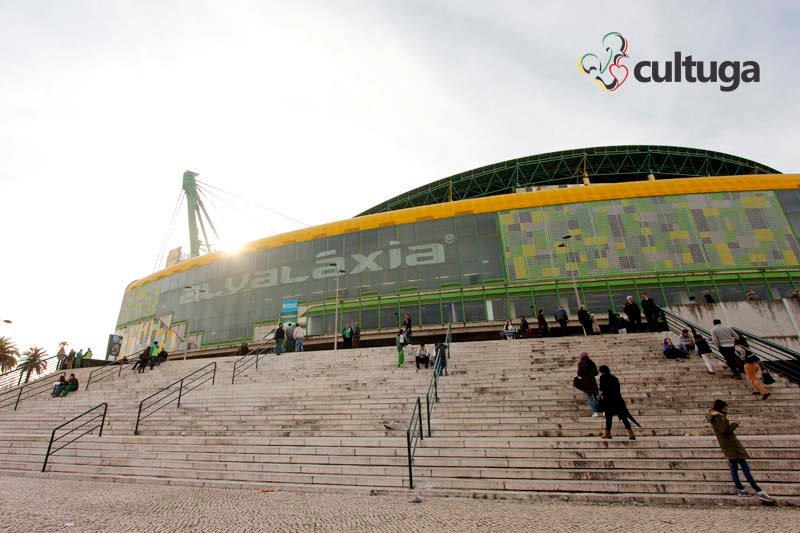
[
  {"x": 565, "y": 245},
  {"x": 339, "y": 271}
]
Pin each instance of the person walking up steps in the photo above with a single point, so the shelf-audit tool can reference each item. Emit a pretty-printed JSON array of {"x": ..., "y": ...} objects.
[
  {"x": 587, "y": 372},
  {"x": 562, "y": 318},
  {"x": 734, "y": 451},
  {"x": 613, "y": 403},
  {"x": 704, "y": 351},
  {"x": 299, "y": 335},
  {"x": 725, "y": 339},
  {"x": 280, "y": 335},
  {"x": 752, "y": 366},
  {"x": 634, "y": 315},
  {"x": 544, "y": 328},
  {"x": 400, "y": 342}
]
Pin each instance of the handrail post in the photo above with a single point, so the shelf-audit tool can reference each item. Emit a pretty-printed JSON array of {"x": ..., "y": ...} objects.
[
  {"x": 436, "y": 388},
  {"x": 19, "y": 396},
  {"x": 103, "y": 422},
  {"x": 419, "y": 414},
  {"x": 49, "y": 447},
  {"x": 428, "y": 407},
  {"x": 410, "y": 466},
  {"x": 233, "y": 374},
  {"x": 120, "y": 370},
  {"x": 180, "y": 391},
  {"x": 257, "y": 354},
  {"x": 88, "y": 380},
  {"x": 214, "y": 375},
  {"x": 138, "y": 417}
]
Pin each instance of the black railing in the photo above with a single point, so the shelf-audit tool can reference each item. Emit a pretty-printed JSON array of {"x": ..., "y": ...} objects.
[
  {"x": 13, "y": 378},
  {"x": 251, "y": 358},
  {"x": 29, "y": 390},
  {"x": 414, "y": 434},
  {"x": 88, "y": 422},
  {"x": 104, "y": 372},
  {"x": 773, "y": 356},
  {"x": 162, "y": 398},
  {"x": 431, "y": 398}
]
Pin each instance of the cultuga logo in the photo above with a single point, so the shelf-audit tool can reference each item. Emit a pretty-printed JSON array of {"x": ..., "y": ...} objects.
[{"x": 608, "y": 71}]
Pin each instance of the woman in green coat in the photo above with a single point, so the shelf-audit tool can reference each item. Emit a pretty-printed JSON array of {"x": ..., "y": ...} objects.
[{"x": 734, "y": 451}]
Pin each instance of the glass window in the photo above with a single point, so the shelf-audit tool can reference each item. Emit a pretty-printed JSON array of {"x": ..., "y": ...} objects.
[
  {"x": 521, "y": 306},
  {"x": 369, "y": 319},
  {"x": 500, "y": 309},
  {"x": 452, "y": 312},
  {"x": 388, "y": 317},
  {"x": 431, "y": 313},
  {"x": 679, "y": 295},
  {"x": 597, "y": 302},
  {"x": 548, "y": 302},
  {"x": 475, "y": 311},
  {"x": 487, "y": 224},
  {"x": 730, "y": 293},
  {"x": 781, "y": 290},
  {"x": 425, "y": 233}
]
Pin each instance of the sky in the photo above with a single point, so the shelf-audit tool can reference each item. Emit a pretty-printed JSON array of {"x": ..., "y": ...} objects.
[{"x": 320, "y": 110}]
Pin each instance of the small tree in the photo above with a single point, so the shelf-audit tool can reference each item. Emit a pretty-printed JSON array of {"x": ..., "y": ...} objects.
[
  {"x": 8, "y": 354},
  {"x": 33, "y": 362}
]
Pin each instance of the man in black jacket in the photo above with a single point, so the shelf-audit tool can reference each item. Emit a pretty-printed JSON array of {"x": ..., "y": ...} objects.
[
  {"x": 280, "y": 336},
  {"x": 650, "y": 311},
  {"x": 634, "y": 315},
  {"x": 613, "y": 403}
]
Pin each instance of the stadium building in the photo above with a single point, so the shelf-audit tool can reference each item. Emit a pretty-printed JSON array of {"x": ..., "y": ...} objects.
[{"x": 494, "y": 243}]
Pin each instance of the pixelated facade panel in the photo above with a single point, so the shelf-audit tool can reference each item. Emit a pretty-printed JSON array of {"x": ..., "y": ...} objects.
[{"x": 646, "y": 235}]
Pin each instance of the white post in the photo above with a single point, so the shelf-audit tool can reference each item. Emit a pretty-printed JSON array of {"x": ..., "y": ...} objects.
[{"x": 336, "y": 315}]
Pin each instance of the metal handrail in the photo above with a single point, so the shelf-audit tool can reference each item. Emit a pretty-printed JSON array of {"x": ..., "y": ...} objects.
[
  {"x": 5, "y": 380},
  {"x": 205, "y": 371},
  {"x": 772, "y": 355},
  {"x": 53, "y": 438},
  {"x": 243, "y": 363},
  {"x": 431, "y": 398},
  {"x": 101, "y": 376},
  {"x": 26, "y": 391},
  {"x": 412, "y": 437}
]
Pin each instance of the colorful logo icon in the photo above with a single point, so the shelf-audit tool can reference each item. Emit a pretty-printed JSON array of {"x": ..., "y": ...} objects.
[{"x": 607, "y": 71}]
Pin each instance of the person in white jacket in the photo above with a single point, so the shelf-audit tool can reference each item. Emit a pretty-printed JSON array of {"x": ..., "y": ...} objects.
[{"x": 299, "y": 334}]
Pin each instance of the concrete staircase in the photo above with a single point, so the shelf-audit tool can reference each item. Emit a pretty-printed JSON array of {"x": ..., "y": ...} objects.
[{"x": 509, "y": 425}]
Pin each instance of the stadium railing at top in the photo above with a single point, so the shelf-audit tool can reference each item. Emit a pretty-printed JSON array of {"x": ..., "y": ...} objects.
[{"x": 773, "y": 356}]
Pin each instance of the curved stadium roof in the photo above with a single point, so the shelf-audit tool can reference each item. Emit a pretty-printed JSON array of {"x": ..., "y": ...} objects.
[{"x": 603, "y": 164}]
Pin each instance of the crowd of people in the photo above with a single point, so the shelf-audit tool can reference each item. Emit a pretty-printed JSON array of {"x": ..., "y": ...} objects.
[
  {"x": 151, "y": 356},
  {"x": 68, "y": 361},
  {"x": 605, "y": 397},
  {"x": 631, "y": 322}
]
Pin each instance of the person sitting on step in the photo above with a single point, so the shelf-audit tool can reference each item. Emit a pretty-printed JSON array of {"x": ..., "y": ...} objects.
[
  {"x": 423, "y": 356},
  {"x": 72, "y": 385},
  {"x": 509, "y": 331},
  {"x": 671, "y": 351},
  {"x": 59, "y": 385}
]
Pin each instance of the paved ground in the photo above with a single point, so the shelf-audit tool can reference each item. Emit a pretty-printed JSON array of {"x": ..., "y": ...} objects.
[{"x": 49, "y": 505}]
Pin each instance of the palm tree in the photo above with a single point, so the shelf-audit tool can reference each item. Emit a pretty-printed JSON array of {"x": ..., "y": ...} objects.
[
  {"x": 8, "y": 354},
  {"x": 33, "y": 362}
]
